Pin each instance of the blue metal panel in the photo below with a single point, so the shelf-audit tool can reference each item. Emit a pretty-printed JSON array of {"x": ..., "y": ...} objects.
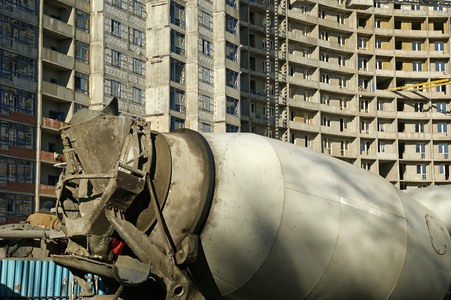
[{"x": 35, "y": 278}]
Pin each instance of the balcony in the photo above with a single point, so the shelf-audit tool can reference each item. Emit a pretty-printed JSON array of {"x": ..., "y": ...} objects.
[
  {"x": 57, "y": 59},
  {"x": 57, "y": 26},
  {"x": 304, "y": 126},
  {"x": 47, "y": 190},
  {"x": 57, "y": 91},
  {"x": 52, "y": 123},
  {"x": 387, "y": 156},
  {"x": 52, "y": 157}
]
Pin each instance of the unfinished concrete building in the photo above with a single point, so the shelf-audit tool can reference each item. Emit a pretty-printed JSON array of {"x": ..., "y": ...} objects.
[{"x": 204, "y": 65}]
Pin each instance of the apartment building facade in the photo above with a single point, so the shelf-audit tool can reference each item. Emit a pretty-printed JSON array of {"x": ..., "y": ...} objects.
[
  {"x": 59, "y": 57},
  {"x": 336, "y": 63},
  {"x": 204, "y": 65}
]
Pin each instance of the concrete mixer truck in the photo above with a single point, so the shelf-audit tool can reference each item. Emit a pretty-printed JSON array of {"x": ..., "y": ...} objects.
[{"x": 183, "y": 215}]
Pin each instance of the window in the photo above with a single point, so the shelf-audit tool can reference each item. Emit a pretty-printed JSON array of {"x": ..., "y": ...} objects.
[
  {"x": 322, "y": 14},
  {"x": 440, "y": 66},
  {"x": 231, "y": 51},
  {"x": 324, "y": 35},
  {"x": 15, "y": 30},
  {"x": 441, "y": 107},
  {"x": 137, "y": 37},
  {"x": 415, "y": 7},
  {"x": 81, "y": 20},
  {"x": 326, "y": 121},
  {"x": 441, "y": 169},
  {"x": 419, "y": 127},
  {"x": 416, "y": 66},
  {"x": 231, "y": 25},
  {"x": 28, "y": 6},
  {"x": 363, "y": 43},
  {"x": 439, "y": 46},
  {"x": 137, "y": 95},
  {"x": 380, "y": 126},
  {"x": 342, "y": 61},
  {"x": 82, "y": 52},
  {"x": 364, "y": 127},
  {"x": 15, "y": 100},
  {"x": 204, "y": 102},
  {"x": 378, "y": 44},
  {"x": 18, "y": 135},
  {"x": 341, "y": 40},
  {"x": 81, "y": 83},
  {"x": 177, "y": 71},
  {"x": 364, "y": 105},
  {"x": 177, "y": 123},
  {"x": 381, "y": 147},
  {"x": 443, "y": 149},
  {"x": 137, "y": 66},
  {"x": 117, "y": 3},
  {"x": 233, "y": 106},
  {"x": 15, "y": 170},
  {"x": 419, "y": 106},
  {"x": 177, "y": 14},
  {"x": 438, "y": 8},
  {"x": 232, "y": 79},
  {"x": 205, "y": 19},
  {"x": 116, "y": 28},
  {"x": 14, "y": 205},
  {"x": 421, "y": 149},
  {"x": 343, "y": 82},
  {"x": 177, "y": 98},
  {"x": 379, "y": 64},
  {"x": 326, "y": 145},
  {"x": 116, "y": 58},
  {"x": 232, "y": 128},
  {"x": 363, "y": 65},
  {"x": 17, "y": 66},
  {"x": 377, "y": 23},
  {"x": 343, "y": 103},
  {"x": 206, "y": 47},
  {"x": 206, "y": 74},
  {"x": 231, "y": 3},
  {"x": 178, "y": 43},
  {"x": 364, "y": 147},
  {"x": 442, "y": 128},
  {"x": 341, "y": 19},
  {"x": 115, "y": 88},
  {"x": 416, "y": 46},
  {"x": 325, "y": 57},
  {"x": 137, "y": 8},
  {"x": 380, "y": 105},
  {"x": 325, "y": 78},
  {"x": 421, "y": 170}
]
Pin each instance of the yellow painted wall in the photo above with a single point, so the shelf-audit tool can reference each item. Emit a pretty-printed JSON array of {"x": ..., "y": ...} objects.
[
  {"x": 386, "y": 65},
  {"x": 406, "y": 25},
  {"x": 385, "y": 24},
  {"x": 386, "y": 45}
]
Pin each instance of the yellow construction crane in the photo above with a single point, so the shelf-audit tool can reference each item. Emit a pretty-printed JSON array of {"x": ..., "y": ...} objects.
[{"x": 423, "y": 85}]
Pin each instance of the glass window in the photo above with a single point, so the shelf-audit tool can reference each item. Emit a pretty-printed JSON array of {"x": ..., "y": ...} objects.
[
  {"x": 205, "y": 74},
  {"x": 233, "y": 106},
  {"x": 417, "y": 66},
  {"x": 441, "y": 107},
  {"x": 440, "y": 66},
  {"x": 16, "y": 65},
  {"x": 117, "y": 3},
  {"x": 231, "y": 25},
  {"x": 116, "y": 58},
  {"x": 177, "y": 123},
  {"x": 137, "y": 66},
  {"x": 137, "y": 37},
  {"x": 206, "y": 127},
  {"x": 178, "y": 43},
  {"x": 82, "y": 52},
  {"x": 206, "y": 47},
  {"x": 442, "y": 128},
  {"x": 231, "y": 3},
  {"x": 205, "y": 19},
  {"x": 15, "y": 100},
  {"x": 15, "y": 30},
  {"x": 439, "y": 46},
  {"x": 177, "y": 14},
  {"x": 136, "y": 95},
  {"x": 416, "y": 46},
  {"x": 232, "y": 128},
  {"x": 204, "y": 102},
  {"x": 82, "y": 83},
  {"x": 177, "y": 98},
  {"x": 231, "y": 51},
  {"x": 232, "y": 79},
  {"x": 81, "y": 20},
  {"x": 177, "y": 71},
  {"x": 116, "y": 28},
  {"x": 137, "y": 8},
  {"x": 115, "y": 88}
]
